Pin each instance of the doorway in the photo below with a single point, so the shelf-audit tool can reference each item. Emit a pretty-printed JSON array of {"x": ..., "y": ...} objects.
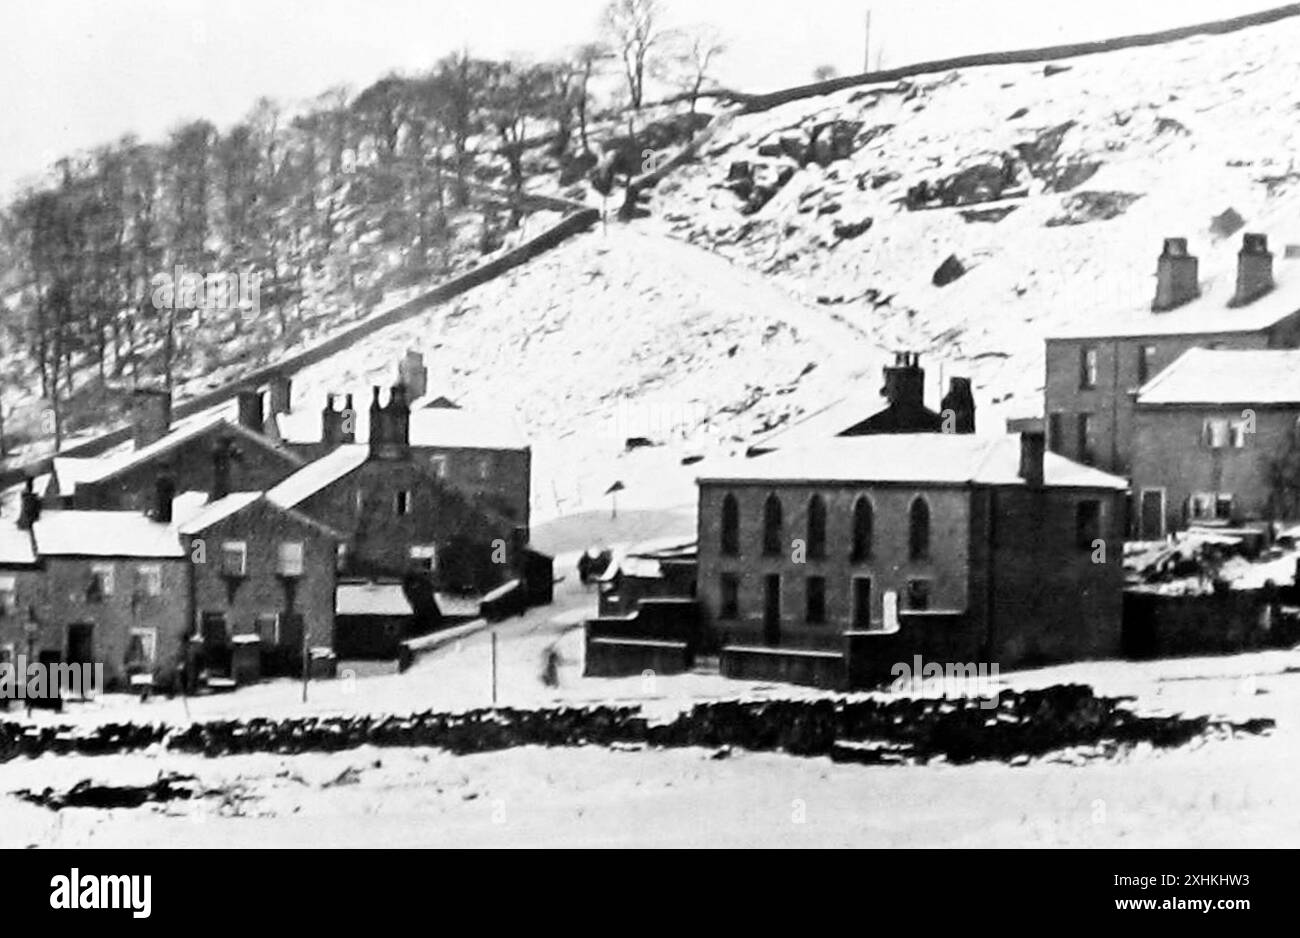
[{"x": 1153, "y": 514}]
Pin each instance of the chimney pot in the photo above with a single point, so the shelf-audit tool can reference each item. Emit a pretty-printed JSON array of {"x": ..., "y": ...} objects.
[
  {"x": 164, "y": 495},
  {"x": 1177, "y": 276},
  {"x": 1033, "y": 444},
  {"x": 905, "y": 381},
  {"x": 151, "y": 415},
  {"x": 250, "y": 409},
  {"x": 1254, "y": 269},
  {"x": 29, "y": 506},
  {"x": 281, "y": 394}
]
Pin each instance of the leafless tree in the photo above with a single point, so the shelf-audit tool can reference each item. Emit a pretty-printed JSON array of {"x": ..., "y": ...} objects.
[
  {"x": 635, "y": 32},
  {"x": 694, "y": 52}
]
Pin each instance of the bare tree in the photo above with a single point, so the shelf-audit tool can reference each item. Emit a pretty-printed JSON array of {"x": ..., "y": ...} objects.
[
  {"x": 694, "y": 52},
  {"x": 635, "y": 33}
]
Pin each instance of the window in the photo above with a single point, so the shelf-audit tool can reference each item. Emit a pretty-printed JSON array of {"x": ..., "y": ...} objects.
[
  {"x": 1084, "y": 441},
  {"x": 268, "y": 629},
  {"x": 862, "y": 603},
  {"x": 918, "y": 594},
  {"x": 341, "y": 558},
  {"x": 919, "y": 530},
  {"x": 141, "y": 648},
  {"x": 730, "y": 525},
  {"x": 863, "y": 521},
  {"x": 234, "y": 558},
  {"x": 290, "y": 558},
  {"x": 1214, "y": 432},
  {"x": 439, "y": 466},
  {"x": 484, "y": 467},
  {"x": 772, "y": 525},
  {"x": 360, "y": 500},
  {"x": 8, "y": 590},
  {"x": 1087, "y": 523},
  {"x": 1223, "y": 506},
  {"x": 730, "y": 608},
  {"x": 424, "y": 555},
  {"x": 402, "y": 502},
  {"x": 1087, "y": 367},
  {"x": 1237, "y": 434},
  {"x": 1146, "y": 363},
  {"x": 150, "y": 579},
  {"x": 815, "y": 599},
  {"x": 817, "y": 527},
  {"x": 1055, "y": 431},
  {"x": 101, "y": 579}
]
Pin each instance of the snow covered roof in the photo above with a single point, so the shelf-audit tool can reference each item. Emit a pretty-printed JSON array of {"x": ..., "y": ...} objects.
[
  {"x": 15, "y": 545},
  {"x": 451, "y": 427},
  {"x": 1207, "y": 314},
  {"x": 934, "y": 458},
  {"x": 314, "y": 476},
  {"x": 104, "y": 467},
  {"x": 371, "y": 599},
  {"x": 1222, "y": 376},
  {"x": 218, "y": 510},
  {"x": 104, "y": 534}
]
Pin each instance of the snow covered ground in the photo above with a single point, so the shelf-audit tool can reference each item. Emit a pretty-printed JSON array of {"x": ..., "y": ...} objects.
[{"x": 1229, "y": 792}]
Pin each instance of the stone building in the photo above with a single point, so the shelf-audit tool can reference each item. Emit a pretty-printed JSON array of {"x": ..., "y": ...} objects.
[
  {"x": 828, "y": 564},
  {"x": 184, "y": 454},
  {"x": 261, "y": 576},
  {"x": 1217, "y": 440},
  {"x": 399, "y": 514},
  {"x": 1093, "y": 374}
]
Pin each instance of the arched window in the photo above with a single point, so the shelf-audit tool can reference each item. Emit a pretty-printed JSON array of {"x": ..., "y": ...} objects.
[
  {"x": 730, "y": 526},
  {"x": 817, "y": 527},
  {"x": 919, "y": 540},
  {"x": 772, "y": 525},
  {"x": 863, "y": 521}
]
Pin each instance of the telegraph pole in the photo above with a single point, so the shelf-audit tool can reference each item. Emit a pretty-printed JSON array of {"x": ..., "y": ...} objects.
[{"x": 866, "y": 51}]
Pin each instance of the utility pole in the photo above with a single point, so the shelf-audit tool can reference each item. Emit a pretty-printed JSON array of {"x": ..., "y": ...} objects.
[{"x": 866, "y": 52}]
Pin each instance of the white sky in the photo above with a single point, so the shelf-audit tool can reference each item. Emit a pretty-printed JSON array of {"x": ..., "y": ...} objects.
[{"x": 75, "y": 73}]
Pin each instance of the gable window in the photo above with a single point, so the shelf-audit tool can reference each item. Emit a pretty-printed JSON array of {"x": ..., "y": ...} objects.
[
  {"x": 150, "y": 579},
  {"x": 289, "y": 558},
  {"x": 817, "y": 527},
  {"x": 730, "y": 605},
  {"x": 919, "y": 530},
  {"x": 918, "y": 594},
  {"x": 772, "y": 525},
  {"x": 730, "y": 525},
  {"x": 863, "y": 522},
  {"x": 1087, "y": 367},
  {"x": 815, "y": 612},
  {"x": 1087, "y": 524},
  {"x": 101, "y": 580},
  {"x": 234, "y": 558},
  {"x": 402, "y": 502}
]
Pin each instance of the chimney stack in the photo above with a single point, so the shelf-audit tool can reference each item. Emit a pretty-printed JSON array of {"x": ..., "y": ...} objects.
[
  {"x": 223, "y": 454},
  {"x": 281, "y": 394},
  {"x": 412, "y": 373},
  {"x": 250, "y": 409},
  {"x": 1254, "y": 269},
  {"x": 1033, "y": 444},
  {"x": 29, "y": 506},
  {"x": 348, "y": 430},
  {"x": 1177, "y": 276},
  {"x": 390, "y": 425},
  {"x": 164, "y": 492},
  {"x": 331, "y": 424},
  {"x": 151, "y": 415},
  {"x": 961, "y": 402},
  {"x": 905, "y": 381}
]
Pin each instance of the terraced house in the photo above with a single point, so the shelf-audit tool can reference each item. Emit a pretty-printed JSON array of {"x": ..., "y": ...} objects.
[
  {"x": 1093, "y": 374},
  {"x": 827, "y": 564}
]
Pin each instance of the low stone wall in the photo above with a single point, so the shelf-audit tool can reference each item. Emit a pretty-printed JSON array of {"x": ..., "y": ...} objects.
[
  {"x": 625, "y": 657},
  {"x": 1029, "y": 722},
  {"x": 810, "y": 667}
]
